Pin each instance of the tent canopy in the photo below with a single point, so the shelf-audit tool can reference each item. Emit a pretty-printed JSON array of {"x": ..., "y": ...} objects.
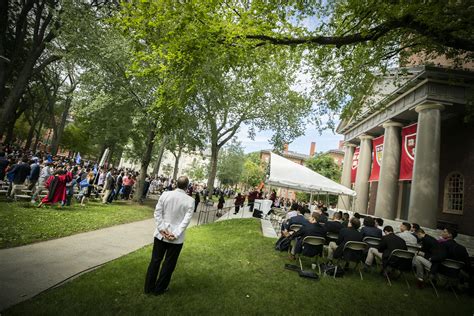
[{"x": 288, "y": 174}]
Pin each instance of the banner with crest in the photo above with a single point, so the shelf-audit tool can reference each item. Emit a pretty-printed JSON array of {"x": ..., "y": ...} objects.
[
  {"x": 355, "y": 164},
  {"x": 377, "y": 149},
  {"x": 407, "y": 157}
]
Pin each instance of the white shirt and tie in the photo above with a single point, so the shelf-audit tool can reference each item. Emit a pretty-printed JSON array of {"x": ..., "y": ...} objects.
[{"x": 173, "y": 212}]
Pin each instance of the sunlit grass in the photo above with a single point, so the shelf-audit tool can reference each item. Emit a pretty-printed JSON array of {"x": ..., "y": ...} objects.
[
  {"x": 23, "y": 223},
  {"x": 228, "y": 268}
]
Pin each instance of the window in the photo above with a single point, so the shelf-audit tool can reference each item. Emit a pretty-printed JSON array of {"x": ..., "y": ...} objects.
[{"x": 454, "y": 193}]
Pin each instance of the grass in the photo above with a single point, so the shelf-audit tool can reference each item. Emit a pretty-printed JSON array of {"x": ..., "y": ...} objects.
[
  {"x": 228, "y": 268},
  {"x": 23, "y": 223}
]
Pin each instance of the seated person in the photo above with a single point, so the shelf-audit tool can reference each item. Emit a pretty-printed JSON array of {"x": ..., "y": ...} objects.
[
  {"x": 429, "y": 244},
  {"x": 351, "y": 233},
  {"x": 324, "y": 214},
  {"x": 406, "y": 234},
  {"x": 379, "y": 223},
  {"x": 369, "y": 229},
  {"x": 345, "y": 220},
  {"x": 335, "y": 225},
  {"x": 388, "y": 243},
  {"x": 449, "y": 249},
  {"x": 414, "y": 229},
  {"x": 299, "y": 219},
  {"x": 313, "y": 228}
]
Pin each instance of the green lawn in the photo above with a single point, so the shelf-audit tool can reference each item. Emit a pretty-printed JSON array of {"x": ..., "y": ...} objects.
[
  {"x": 228, "y": 268},
  {"x": 23, "y": 223}
]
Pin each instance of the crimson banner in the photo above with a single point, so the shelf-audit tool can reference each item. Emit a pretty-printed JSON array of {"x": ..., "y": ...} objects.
[
  {"x": 377, "y": 149},
  {"x": 355, "y": 164},
  {"x": 407, "y": 157}
]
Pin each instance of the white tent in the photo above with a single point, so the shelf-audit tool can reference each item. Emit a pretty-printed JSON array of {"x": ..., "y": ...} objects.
[{"x": 288, "y": 174}]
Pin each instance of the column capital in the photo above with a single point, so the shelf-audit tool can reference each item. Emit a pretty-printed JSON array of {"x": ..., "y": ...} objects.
[
  {"x": 391, "y": 123},
  {"x": 365, "y": 137},
  {"x": 429, "y": 106},
  {"x": 347, "y": 144}
]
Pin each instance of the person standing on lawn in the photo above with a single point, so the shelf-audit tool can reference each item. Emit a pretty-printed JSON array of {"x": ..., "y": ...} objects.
[
  {"x": 56, "y": 185},
  {"x": 173, "y": 214}
]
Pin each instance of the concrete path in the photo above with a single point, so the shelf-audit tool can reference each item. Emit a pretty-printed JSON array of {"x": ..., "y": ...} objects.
[{"x": 28, "y": 270}]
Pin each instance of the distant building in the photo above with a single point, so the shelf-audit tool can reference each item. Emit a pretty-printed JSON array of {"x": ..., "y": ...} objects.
[{"x": 337, "y": 155}]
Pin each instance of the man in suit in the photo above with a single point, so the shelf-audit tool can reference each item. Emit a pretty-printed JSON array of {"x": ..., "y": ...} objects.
[
  {"x": 449, "y": 249},
  {"x": 351, "y": 233},
  {"x": 429, "y": 244},
  {"x": 19, "y": 173},
  {"x": 313, "y": 228},
  {"x": 335, "y": 225},
  {"x": 173, "y": 214},
  {"x": 388, "y": 243},
  {"x": 299, "y": 219}
]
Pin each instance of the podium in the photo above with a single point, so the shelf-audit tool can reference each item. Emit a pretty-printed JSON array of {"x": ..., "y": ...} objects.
[{"x": 263, "y": 206}]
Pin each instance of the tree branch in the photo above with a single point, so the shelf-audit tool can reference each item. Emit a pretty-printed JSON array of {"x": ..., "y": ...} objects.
[{"x": 439, "y": 35}]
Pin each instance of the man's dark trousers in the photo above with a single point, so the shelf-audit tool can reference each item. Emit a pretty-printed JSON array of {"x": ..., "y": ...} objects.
[{"x": 160, "y": 249}]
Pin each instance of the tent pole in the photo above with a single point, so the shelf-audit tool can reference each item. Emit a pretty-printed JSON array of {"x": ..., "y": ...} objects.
[
  {"x": 327, "y": 200},
  {"x": 311, "y": 198}
]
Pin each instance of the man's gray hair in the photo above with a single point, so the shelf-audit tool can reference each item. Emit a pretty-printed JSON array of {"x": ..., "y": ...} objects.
[{"x": 183, "y": 182}]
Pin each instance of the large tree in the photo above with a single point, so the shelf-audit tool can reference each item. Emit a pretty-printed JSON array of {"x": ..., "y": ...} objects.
[
  {"x": 230, "y": 166},
  {"x": 325, "y": 165},
  {"x": 345, "y": 43}
]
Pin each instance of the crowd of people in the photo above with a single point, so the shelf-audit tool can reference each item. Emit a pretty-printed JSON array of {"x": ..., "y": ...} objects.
[
  {"x": 60, "y": 180},
  {"x": 431, "y": 251}
]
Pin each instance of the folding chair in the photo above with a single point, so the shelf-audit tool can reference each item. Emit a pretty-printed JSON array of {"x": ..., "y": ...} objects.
[
  {"x": 451, "y": 269},
  {"x": 295, "y": 227},
  {"x": 400, "y": 260},
  {"x": 353, "y": 252},
  {"x": 414, "y": 248},
  {"x": 332, "y": 237},
  {"x": 312, "y": 242},
  {"x": 372, "y": 241}
]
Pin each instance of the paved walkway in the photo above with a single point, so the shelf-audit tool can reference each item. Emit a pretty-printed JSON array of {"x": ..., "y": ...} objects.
[{"x": 29, "y": 270}]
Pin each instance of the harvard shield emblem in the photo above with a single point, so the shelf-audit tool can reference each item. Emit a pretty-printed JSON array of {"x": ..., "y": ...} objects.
[
  {"x": 378, "y": 153},
  {"x": 355, "y": 160},
  {"x": 410, "y": 144}
]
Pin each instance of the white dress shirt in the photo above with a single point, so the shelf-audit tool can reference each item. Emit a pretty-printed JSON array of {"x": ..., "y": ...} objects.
[
  {"x": 173, "y": 212},
  {"x": 408, "y": 237}
]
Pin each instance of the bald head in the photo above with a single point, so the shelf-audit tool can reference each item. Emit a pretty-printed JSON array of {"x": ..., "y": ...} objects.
[{"x": 183, "y": 182}]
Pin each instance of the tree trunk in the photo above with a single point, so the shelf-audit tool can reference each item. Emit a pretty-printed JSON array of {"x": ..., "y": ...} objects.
[
  {"x": 38, "y": 135},
  {"x": 31, "y": 133},
  {"x": 150, "y": 142},
  {"x": 156, "y": 169},
  {"x": 213, "y": 168},
  {"x": 12, "y": 101},
  {"x": 58, "y": 133},
  {"x": 9, "y": 135},
  {"x": 176, "y": 164}
]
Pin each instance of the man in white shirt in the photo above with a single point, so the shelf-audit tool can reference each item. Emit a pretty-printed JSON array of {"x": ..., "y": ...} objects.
[
  {"x": 406, "y": 235},
  {"x": 173, "y": 214}
]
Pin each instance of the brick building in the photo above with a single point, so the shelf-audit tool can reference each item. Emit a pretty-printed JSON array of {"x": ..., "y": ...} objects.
[{"x": 422, "y": 169}]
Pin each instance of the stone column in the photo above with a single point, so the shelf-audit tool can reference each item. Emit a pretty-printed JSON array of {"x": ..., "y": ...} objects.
[
  {"x": 424, "y": 188},
  {"x": 343, "y": 201},
  {"x": 387, "y": 192},
  {"x": 363, "y": 174}
]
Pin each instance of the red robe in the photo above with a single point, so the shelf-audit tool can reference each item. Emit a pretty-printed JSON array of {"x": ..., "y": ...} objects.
[{"x": 58, "y": 192}]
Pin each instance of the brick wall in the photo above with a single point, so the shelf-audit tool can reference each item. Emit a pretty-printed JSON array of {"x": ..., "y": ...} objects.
[{"x": 457, "y": 154}]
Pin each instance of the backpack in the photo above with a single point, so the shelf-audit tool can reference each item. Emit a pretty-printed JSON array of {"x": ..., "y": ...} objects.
[
  {"x": 282, "y": 244},
  {"x": 329, "y": 269}
]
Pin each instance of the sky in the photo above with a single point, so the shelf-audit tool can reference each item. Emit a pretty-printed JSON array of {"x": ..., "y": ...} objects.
[{"x": 324, "y": 142}]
